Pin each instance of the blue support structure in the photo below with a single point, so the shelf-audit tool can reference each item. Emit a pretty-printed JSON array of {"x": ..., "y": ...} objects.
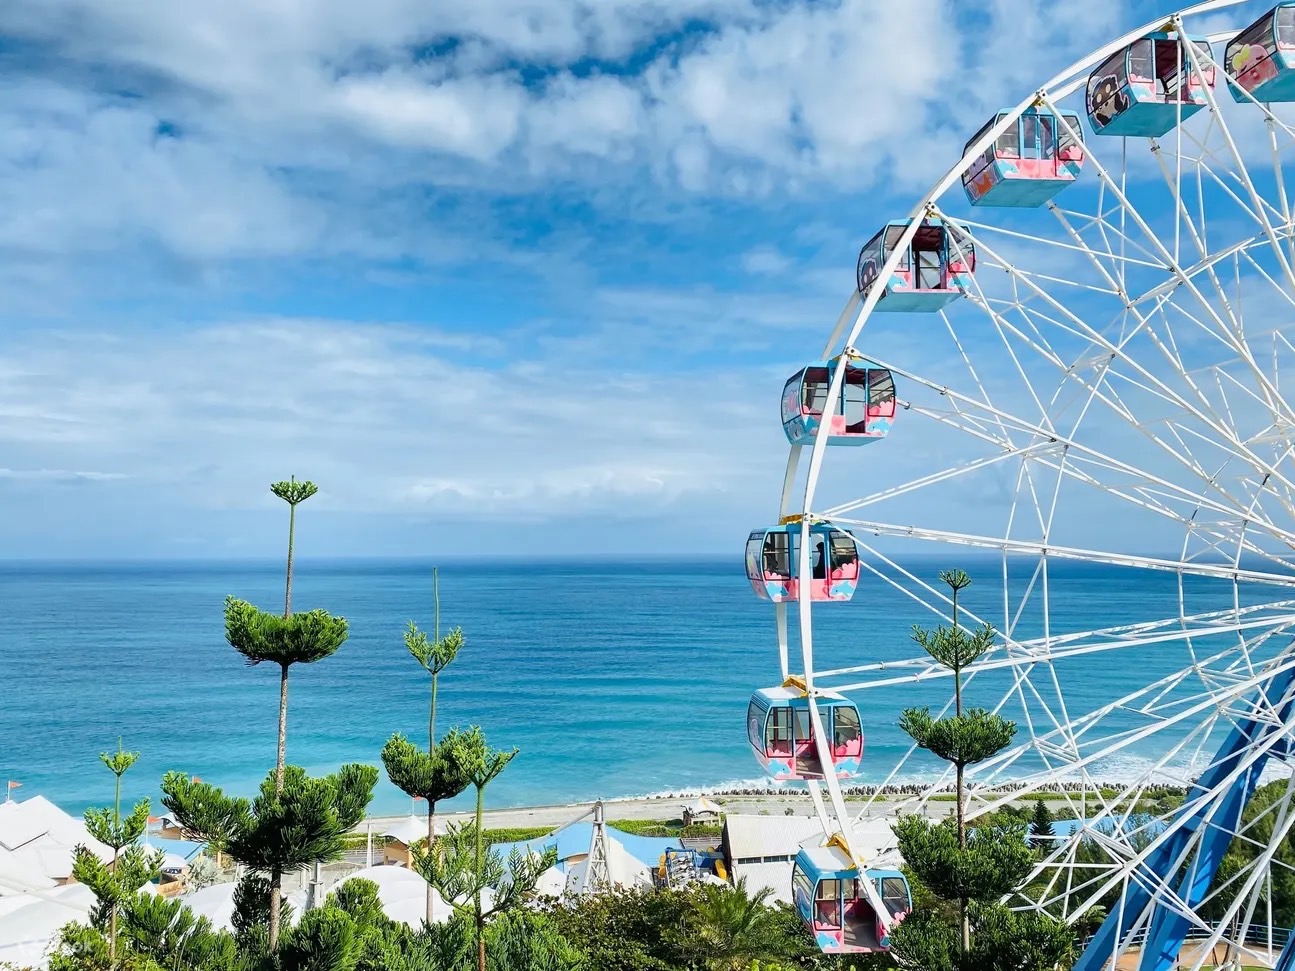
[
  {"x": 1287, "y": 960},
  {"x": 1215, "y": 821}
]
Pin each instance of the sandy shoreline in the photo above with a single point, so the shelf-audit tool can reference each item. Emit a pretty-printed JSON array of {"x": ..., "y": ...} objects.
[
  {"x": 653, "y": 808},
  {"x": 670, "y": 807}
]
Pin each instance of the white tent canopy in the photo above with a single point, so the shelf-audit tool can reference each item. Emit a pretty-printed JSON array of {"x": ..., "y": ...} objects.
[
  {"x": 28, "y": 931},
  {"x": 216, "y": 903},
  {"x": 552, "y": 883},
  {"x": 403, "y": 894},
  {"x": 622, "y": 870},
  {"x": 413, "y": 828}
]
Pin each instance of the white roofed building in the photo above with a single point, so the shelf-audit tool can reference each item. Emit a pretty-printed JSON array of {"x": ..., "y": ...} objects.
[
  {"x": 761, "y": 849},
  {"x": 766, "y": 839},
  {"x": 37, "y": 839},
  {"x": 401, "y": 835}
]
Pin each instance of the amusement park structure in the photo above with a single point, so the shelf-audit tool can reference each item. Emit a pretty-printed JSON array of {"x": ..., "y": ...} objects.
[{"x": 1080, "y": 356}]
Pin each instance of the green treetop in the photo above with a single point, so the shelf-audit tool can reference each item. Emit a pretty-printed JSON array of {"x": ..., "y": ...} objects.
[
  {"x": 1041, "y": 831},
  {"x": 261, "y": 636},
  {"x": 463, "y": 867},
  {"x": 266, "y": 637},
  {"x": 288, "y": 826},
  {"x": 294, "y": 493}
]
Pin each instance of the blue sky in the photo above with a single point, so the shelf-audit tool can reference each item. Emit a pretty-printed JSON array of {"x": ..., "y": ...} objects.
[{"x": 500, "y": 275}]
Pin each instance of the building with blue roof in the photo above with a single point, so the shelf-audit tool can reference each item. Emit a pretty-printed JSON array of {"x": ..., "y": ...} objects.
[{"x": 572, "y": 844}]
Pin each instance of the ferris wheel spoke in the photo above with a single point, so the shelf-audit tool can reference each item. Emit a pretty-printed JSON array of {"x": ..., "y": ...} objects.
[
  {"x": 1069, "y": 552},
  {"x": 1242, "y": 173},
  {"x": 1235, "y": 342},
  {"x": 935, "y": 478},
  {"x": 1054, "y": 244},
  {"x": 1267, "y": 619},
  {"x": 984, "y": 395},
  {"x": 1156, "y": 386},
  {"x": 968, "y": 404},
  {"x": 1135, "y": 868},
  {"x": 1171, "y": 264},
  {"x": 1087, "y": 753},
  {"x": 1148, "y": 381}
]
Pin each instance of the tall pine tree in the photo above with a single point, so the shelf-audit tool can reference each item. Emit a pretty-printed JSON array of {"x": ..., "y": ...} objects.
[
  {"x": 463, "y": 867},
  {"x": 972, "y": 872},
  {"x": 262, "y": 636},
  {"x": 132, "y": 865},
  {"x": 294, "y": 822},
  {"x": 436, "y": 774},
  {"x": 1041, "y": 831}
]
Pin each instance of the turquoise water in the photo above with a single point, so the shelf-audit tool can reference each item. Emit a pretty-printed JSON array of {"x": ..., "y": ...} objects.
[{"x": 613, "y": 679}]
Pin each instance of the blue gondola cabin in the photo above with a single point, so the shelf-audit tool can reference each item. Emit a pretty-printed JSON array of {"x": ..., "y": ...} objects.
[
  {"x": 934, "y": 270},
  {"x": 1141, "y": 89},
  {"x": 781, "y": 733},
  {"x": 1028, "y": 164},
  {"x": 864, "y": 410},
  {"x": 1261, "y": 59},
  {"x": 831, "y": 903},
  {"x": 773, "y": 561}
]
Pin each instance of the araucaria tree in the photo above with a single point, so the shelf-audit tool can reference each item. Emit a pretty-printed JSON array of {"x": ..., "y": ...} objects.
[
  {"x": 132, "y": 865},
  {"x": 1041, "y": 831},
  {"x": 974, "y": 872},
  {"x": 261, "y": 636},
  {"x": 287, "y": 640},
  {"x": 294, "y": 822},
  {"x": 436, "y": 774},
  {"x": 462, "y": 866}
]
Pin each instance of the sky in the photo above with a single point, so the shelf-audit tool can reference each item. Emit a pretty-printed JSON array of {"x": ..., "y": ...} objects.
[{"x": 501, "y": 276}]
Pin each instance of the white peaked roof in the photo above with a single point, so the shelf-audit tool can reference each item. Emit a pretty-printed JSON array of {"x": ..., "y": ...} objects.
[
  {"x": 18, "y": 876},
  {"x": 38, "y": 838},
  {"x": 757, "y": 838},
  {"x": 552, "y": 883},
  {"x": 622, "y": 870},
  {"x": 171, "y": 861},
  {"x": 413, "y": 828},
  {"x": 28, "y": 931},
  {"x": 403, "y": 894},
  {"x": 216, "y": 903}
]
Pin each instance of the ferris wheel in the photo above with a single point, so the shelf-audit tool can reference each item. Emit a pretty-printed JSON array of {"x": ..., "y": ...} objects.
[{"x": 1067, "y": 362}]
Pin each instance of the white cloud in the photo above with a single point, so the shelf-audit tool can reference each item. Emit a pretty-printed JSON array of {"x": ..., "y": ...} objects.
[
  {"x": 59, "y": 475},
  {"x": 765, "y": 261},
  {"x": 388, "y": 418},
  {"x": 476, "y": 118},
  {"x": 820, "y": 91},
  {"x": 647, "y": 225},
  {"x": 313, "y": 127}
]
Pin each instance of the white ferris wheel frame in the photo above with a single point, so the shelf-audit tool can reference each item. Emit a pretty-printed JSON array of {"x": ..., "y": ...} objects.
[{"x": 1063, "y": 454}]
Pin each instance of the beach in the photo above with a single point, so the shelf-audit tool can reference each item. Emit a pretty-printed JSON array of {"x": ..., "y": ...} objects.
[{"x": 670, "y": 808}]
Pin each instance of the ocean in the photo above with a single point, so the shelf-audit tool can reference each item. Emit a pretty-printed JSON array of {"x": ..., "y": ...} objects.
[{"x": 612, "y": 678}]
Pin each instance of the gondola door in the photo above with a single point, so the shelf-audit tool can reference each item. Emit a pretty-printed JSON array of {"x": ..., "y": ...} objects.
[{"x": 808, "y": 764}]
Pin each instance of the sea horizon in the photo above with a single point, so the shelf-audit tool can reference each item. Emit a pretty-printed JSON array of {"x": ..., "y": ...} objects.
[{"x": 616, "y": 677}]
